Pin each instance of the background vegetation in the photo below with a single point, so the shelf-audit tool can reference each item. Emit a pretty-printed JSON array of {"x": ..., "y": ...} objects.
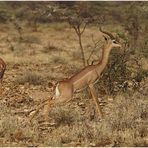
[{"x": 44, "y": 42}]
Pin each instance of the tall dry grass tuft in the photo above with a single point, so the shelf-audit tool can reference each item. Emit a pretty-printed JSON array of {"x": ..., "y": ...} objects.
[
  {"x": 51, "y": 47},
  {"x": 64, "y": 115},
  {"x": 30, "y": 39},
  {"x": 124, "y": 125},
  {"x": 29, "y": 77},
  {"x": 126, "y": 119},
  {"x": 58, "y": 60}
]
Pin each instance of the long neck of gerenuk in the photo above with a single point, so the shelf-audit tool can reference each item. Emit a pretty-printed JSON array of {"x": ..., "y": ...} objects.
[{"x": 104, "y": 59}]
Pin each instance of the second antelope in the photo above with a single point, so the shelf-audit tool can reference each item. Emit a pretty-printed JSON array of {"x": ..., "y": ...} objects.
[
  {"x": 86, "y": 77},
  {"x": 2, "y": 70}
]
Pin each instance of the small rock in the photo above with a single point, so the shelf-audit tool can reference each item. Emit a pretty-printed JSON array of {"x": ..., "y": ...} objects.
[
  {"x": 110, "y": 99},
  {"x": 101, "y": 104},
  {"x": 81, "y": 104},
  {"x": 92, "y": 144},
  {"x": 100, "y": 99},
  {"x": 48, "y": 124},
  {"x": 31, "y": 113}
]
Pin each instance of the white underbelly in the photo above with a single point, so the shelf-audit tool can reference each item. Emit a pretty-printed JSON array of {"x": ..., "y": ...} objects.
[{"x": 57, "y": 92}]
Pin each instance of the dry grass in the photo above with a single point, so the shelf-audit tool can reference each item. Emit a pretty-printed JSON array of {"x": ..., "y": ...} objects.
[
  {"x": 123, "y": 126},
  {"x": 50, "y": 47},
  {"x": 58, "y": 60},
  {"x": 31, "y": 40},
  {"x": 127, "y": 120},
  {"x": 29, "y": 77},
  {"x": 57, "y": 57}
]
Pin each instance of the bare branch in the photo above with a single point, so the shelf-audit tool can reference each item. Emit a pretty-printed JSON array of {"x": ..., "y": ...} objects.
[
  {"x": 84, "y": 28},
  {"x": 76, "y": 25},
  {"x": 94, "y": 47}
]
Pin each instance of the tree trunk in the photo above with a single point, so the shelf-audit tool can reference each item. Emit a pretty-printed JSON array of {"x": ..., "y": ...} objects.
[{"x": 82, "y": 51}]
